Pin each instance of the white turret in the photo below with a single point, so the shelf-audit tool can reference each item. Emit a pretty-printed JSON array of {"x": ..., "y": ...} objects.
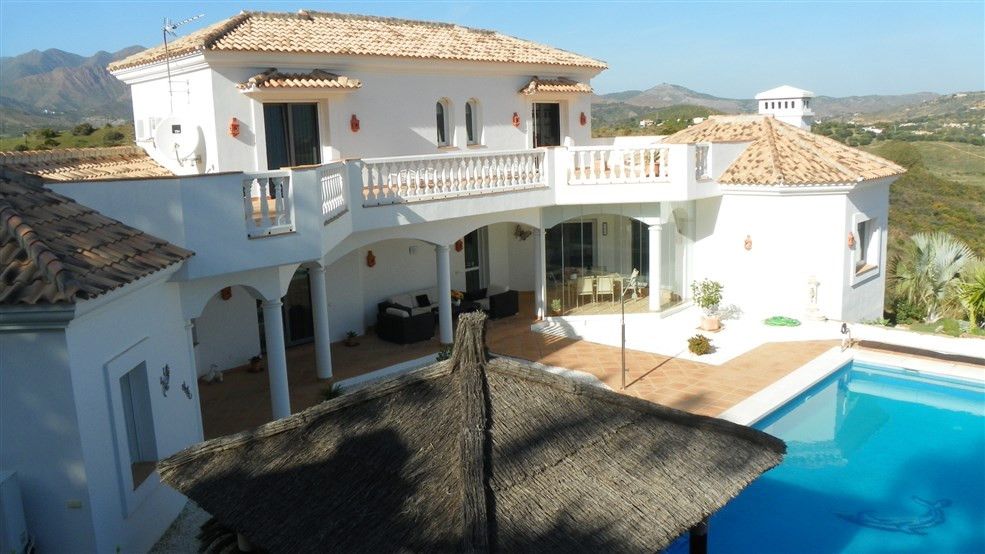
[{"x": 788, "y": 104}]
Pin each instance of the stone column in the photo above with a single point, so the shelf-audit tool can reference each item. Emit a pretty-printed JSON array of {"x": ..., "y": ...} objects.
[
  {"x": 540, "y": 274},
  {"x": 273, "y": 327},
  {"x": 655, "y": 265},
  {"x": 444, "y": 293},
  {"x": 319, "y": 308}
]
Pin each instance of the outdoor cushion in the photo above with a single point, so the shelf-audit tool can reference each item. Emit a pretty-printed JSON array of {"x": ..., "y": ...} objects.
[
  {"x": 422, "y": 300},
  {"x": 403, "y": 300},
  {"x": 398, "y": 312}
]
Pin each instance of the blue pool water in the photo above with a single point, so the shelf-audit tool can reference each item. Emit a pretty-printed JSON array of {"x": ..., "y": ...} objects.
[{"x": 878, "y": 460}]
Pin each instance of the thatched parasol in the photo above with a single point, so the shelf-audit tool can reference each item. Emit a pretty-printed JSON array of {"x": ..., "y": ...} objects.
[{"x": 473, "y": 454}]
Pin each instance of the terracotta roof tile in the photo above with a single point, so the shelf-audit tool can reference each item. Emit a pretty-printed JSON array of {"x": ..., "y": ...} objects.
[
  {"x": 311, "y": 32},
  {"x": 781, "y": 154},
  {"x": 275, "y": 79},
  {"x": 85, "y": 164},
  {"x": 554, "y": 85},
  {"x": 54, "y": 250}
]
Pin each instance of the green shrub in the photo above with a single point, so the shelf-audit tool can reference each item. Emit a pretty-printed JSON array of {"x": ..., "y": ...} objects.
[
  {"x": 699, "y": 345},
  {"x": 444, "y": 353},
  {"x": 905, "y": 313},
  {"x": 330, "y": 392}
]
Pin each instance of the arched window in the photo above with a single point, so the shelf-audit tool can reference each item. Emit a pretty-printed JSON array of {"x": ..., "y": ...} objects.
[
  {"x": 473, "y": 131},
  {"x": 441, "y": 116}
]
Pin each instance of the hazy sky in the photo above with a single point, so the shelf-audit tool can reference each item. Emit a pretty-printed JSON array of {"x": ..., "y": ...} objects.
[{"x": 732, "y": 49}]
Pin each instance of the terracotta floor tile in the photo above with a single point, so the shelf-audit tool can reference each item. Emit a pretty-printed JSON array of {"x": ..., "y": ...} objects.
[{"x": 242, "y": 400}]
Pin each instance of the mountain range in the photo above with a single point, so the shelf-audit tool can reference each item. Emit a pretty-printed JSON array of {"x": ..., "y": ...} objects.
[
  {"x": 55, "y": 88},
  {"x": 59, "y": 89}
]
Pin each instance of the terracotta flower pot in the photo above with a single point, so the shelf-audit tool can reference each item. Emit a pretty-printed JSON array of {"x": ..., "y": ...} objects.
[{"x": 711, "y": 322}]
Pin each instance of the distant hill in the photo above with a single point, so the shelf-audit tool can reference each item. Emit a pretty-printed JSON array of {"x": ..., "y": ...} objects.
[
  {"x": 60, "y": 89},
  {"x": 957, "y": 104},
  {"x": 612, "y": 107}
]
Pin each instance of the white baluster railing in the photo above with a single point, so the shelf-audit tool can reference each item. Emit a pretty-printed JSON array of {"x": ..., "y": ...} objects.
[
  {"x": 332, "y": 179},
  {"x": 411, "y": 178},
  {"x": 600, "y": 165},
  {"x": 268, "y": 203}
]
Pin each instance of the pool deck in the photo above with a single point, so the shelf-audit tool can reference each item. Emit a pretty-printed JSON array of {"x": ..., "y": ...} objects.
[{"x": 748, "y": 357}]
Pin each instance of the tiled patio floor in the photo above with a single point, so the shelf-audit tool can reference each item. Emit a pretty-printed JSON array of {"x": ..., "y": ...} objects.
[{"x": 242, "y": 400}]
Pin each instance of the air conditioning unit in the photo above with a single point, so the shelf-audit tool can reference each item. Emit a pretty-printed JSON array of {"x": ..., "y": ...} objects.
[{"x": 13, "y": 528}]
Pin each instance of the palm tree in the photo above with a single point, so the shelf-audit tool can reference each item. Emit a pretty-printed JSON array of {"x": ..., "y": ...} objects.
[
  {"x": 927, "y": 273},
  {"x": 971, "y": 292}
]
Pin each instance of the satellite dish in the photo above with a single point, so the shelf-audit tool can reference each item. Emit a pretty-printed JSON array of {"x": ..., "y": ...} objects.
[{"x": 179, "y": 139}]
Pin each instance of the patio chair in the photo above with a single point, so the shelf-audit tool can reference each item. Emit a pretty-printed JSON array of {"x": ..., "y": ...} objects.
[
  {"x": 585, "y": 286},
  {"x": 604, "y": 286}
]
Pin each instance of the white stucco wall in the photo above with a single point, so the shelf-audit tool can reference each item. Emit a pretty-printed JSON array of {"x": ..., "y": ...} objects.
[
  {"x": 863, "y": 297},
  {"x": 395, "y": 106},
  {"x": 40, "y": 439},
  {"x": 228, "y": 332},
  {"x": 793, "y": 237},
  {"x": 141, "y": 323}
]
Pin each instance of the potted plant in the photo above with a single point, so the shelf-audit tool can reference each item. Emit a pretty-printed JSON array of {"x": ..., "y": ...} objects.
[
  {"x": 255, "y": 364},
  {"x": 708, "y": 294},
  {"x": 456, "y": 297},
  {"x": 350, "y": 338},
  {"x": 556, "y": 306}
]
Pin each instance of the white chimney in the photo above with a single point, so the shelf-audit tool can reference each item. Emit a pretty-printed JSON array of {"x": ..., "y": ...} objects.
[{"x": 788, "y": 104}]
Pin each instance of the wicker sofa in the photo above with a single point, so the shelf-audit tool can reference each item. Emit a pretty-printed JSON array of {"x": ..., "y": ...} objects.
[
  {"x": 496, "y": 300},
  {"x": 408, "y": 317}
]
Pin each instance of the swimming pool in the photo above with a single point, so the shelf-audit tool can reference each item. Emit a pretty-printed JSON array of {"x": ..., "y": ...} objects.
[{"x": 878, "y": 460}]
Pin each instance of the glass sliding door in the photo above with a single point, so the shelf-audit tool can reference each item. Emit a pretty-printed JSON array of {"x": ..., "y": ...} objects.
[
  {"x": 291, "y": 133},
  {"x": 475, "y": 255},
  {"x": 547, "y": 124}
]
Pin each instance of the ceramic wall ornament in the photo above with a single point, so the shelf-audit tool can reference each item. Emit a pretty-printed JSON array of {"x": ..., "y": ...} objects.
[
  {"x": 747, "y": 243},
  {"x": 583, "y": 119},
  {"x": 354, "y": 123},
  {"x": 234, "y": 128},
  {"x": 516, "y": 120},
  {"x": 226, "y": 293},
  {"x": 459, "y": 245},
  {"x": 851, "y": 240},
  {"x": 370, "y": 259}
]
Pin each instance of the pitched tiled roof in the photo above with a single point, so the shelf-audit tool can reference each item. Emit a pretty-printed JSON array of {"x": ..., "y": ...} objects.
[
  {"x": 274, "y": 79},
  {"x": 55, "y": 250},
  {"x": 84, "y": 164},
  {"x": 781, "y": 154},
  {"x": 311, "y": 32},
  {"x": 554, "y": 85}
]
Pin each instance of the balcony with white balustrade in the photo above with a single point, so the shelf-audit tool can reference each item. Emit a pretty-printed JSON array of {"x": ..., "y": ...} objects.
[{"x": 243, "y": 221}]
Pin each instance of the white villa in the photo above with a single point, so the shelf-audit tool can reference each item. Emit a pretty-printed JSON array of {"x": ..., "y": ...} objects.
[{"x": 294, "y": 171}]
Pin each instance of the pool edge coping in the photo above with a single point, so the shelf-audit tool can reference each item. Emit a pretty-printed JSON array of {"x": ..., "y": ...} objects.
[{"x": 764, "y": 402}]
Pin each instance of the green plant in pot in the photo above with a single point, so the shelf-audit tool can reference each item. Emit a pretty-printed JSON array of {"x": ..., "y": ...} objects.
[
  {"x": 350, "y": 338},
  {"x": 708, "y": 295},
  {"x": 556, "y": 306}
]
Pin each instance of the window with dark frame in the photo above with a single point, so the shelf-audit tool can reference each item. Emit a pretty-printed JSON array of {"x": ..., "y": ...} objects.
[
  {"x": 291, "y": 133},
  {"x": 441, "y": 122}
]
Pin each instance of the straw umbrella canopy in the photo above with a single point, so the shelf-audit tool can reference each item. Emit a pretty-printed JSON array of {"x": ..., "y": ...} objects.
[{"x": 473, "y": 454}]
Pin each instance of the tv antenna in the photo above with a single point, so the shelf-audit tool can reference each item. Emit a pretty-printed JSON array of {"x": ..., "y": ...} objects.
[{"x": 169, "y": 28}]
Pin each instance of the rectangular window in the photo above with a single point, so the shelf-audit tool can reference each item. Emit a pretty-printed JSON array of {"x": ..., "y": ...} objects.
[
  {"x": 291, "y": 135},
  {"x": 138, "y": 419},
  {"x": 867, "y": 247}
]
